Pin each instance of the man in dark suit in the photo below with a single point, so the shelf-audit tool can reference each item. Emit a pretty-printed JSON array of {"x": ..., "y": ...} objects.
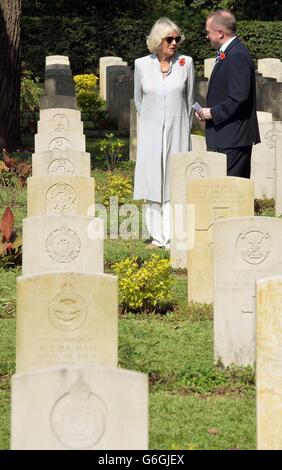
[{"x": 230, "y": 115}]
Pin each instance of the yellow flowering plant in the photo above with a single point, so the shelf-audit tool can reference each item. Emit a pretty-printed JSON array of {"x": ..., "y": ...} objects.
[
  {"x": 85, "y": 82},
  {"x": 144, "y": 288},
  {"x": 119, "y": 186}
]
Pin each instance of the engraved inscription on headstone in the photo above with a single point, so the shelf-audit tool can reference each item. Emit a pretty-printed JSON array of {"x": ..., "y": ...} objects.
[
  {"x": 220, "y": 212},
  {"x": 67, "y": 310},
  {"x": 78, "y": 418},
  {"x": 63, "y": 245},
  {"x": 214, "y": 199},
  {"x": 60, "y": 143},
  {"x": 61, "y": 198},
  {"x": 186, "y": 167}
]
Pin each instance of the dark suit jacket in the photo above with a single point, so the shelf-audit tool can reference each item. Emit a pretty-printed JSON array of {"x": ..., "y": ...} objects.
[{"x": 232, "y": 99}]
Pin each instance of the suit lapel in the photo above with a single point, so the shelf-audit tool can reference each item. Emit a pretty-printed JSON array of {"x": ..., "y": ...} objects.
[{"x": 219, "y": 63}]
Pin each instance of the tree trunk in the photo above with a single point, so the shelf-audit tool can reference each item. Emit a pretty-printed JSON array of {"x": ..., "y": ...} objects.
[{"x": 10, "y": 73}]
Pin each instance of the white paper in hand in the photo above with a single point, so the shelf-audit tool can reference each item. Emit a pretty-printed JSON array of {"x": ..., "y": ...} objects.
[{"x": 197, "y": 107}]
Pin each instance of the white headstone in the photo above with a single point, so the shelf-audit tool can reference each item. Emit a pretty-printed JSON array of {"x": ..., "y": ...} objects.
[
  {"x": 61, "y": 162},
  {"x": 185, "y": 167},
  {"x": 103, "y": 63},
  {"x": 57, "y": 59},
  {"x": 57, "y": 125},
  {"x": 60, "y": 195},
  {"x": 208, "y": 66},
  {"x": 198, "y": 143},
  {"x": 269, "y": 364},
  {"x": 245, "y": 249},
  {"x": 80, "y": 409},
  {"x": 270, "y": 67},
  {"x": 66, "y": 319},
  {"x": 213, "y": 199},
  {"x": 264, "y": 117},
  {"x": 60, "y": 244},
  {"x": 263, "y": 160},
  {"x": 278, "y": 174},
  {"x": 59, "y": 140},
  {"x": 59, "y": 114}
]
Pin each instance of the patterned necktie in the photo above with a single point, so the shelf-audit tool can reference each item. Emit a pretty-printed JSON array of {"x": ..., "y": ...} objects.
[{"x": 217, "y": 57}]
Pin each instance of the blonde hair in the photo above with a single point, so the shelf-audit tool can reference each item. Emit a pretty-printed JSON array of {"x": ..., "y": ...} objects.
[{"x": 160, "y": 30}]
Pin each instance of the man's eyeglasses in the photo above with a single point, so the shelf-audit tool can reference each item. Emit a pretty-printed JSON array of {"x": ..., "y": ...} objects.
[{"x": 169, "y": 39}]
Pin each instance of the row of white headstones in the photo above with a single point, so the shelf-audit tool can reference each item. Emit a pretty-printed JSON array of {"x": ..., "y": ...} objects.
[
  {"x": 242, "y": 250},
  {"x": 233, "y": 258},
  {"x": 68, "y": 391}
]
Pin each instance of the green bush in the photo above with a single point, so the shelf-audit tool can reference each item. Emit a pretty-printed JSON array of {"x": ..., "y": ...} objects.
[
  {"x": 263, "y": 38},
  {"x": 89, "y": 101},
  {"x": 265, "y": 207},
  {"x": 144, "y": 288},
  {"x": 111, "y": 147},
  {"x": 31, "y": 91},
  {"x": 119, "y": 186}
]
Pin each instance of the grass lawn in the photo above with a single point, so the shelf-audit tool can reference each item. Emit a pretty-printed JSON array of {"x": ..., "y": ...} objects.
[{"x": 194, "y": 404}]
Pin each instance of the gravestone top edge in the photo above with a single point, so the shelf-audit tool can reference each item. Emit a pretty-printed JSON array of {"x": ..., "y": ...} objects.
[
  {"x": 252, "y": 218},
  {"x": 78, "y": 370},
  {"x": 224, "y": 179},
  {"x": 266, "y": 280},
  {"x": 70, "y": 152},
  {"x": 52, "y": 274}
]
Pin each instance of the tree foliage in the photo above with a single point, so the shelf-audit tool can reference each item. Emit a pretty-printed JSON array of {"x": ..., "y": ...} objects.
[
  {"x": 85, "y": 40},
  {"x": 109, "y": 9}
]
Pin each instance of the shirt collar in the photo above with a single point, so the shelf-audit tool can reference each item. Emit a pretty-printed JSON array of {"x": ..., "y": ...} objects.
[{"x": 226, "y": 44}]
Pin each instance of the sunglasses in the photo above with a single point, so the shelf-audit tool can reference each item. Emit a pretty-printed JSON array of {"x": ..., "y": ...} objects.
[{"x": 169, "y": 39}]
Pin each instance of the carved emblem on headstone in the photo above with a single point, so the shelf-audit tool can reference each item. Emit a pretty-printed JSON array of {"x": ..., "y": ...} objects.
[
  {"x": 63, "y": 245},
  {"x": 62, "y": 122},
  {"x": 68, "y": 310},
  {"x": 61, "y": 166},
  {"x": 59, "y": 143},
  {"x": 61, "y": 198},
  {"x": 197, "y": 169},
  {"x": 271, "y": 138},
  {"x": 78, "y": 418},
  {"x": 254, "y": 245}
]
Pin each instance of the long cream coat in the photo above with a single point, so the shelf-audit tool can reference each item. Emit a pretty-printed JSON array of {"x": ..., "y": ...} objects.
[{"x": 164, "y": 107}]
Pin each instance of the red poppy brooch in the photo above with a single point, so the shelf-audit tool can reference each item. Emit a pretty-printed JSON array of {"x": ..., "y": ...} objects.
[
  {"x": 222, "y": 56},
  {"x": 182, "y": 61}
]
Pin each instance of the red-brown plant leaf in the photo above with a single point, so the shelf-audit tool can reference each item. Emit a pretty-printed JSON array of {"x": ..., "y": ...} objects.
[{"x": 7, "y": 224}]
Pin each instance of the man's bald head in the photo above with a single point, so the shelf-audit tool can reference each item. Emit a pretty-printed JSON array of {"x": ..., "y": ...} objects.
[{"x": 225, "y": 20}]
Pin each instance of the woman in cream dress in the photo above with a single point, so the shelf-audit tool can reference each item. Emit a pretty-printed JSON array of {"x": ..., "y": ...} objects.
[{"x": 163, "y": 94}]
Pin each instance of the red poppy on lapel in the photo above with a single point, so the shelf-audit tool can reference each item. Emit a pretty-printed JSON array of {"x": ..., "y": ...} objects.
[
  {"x": 222, "y": 56},
  {"x": 182, "y": 61}
]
